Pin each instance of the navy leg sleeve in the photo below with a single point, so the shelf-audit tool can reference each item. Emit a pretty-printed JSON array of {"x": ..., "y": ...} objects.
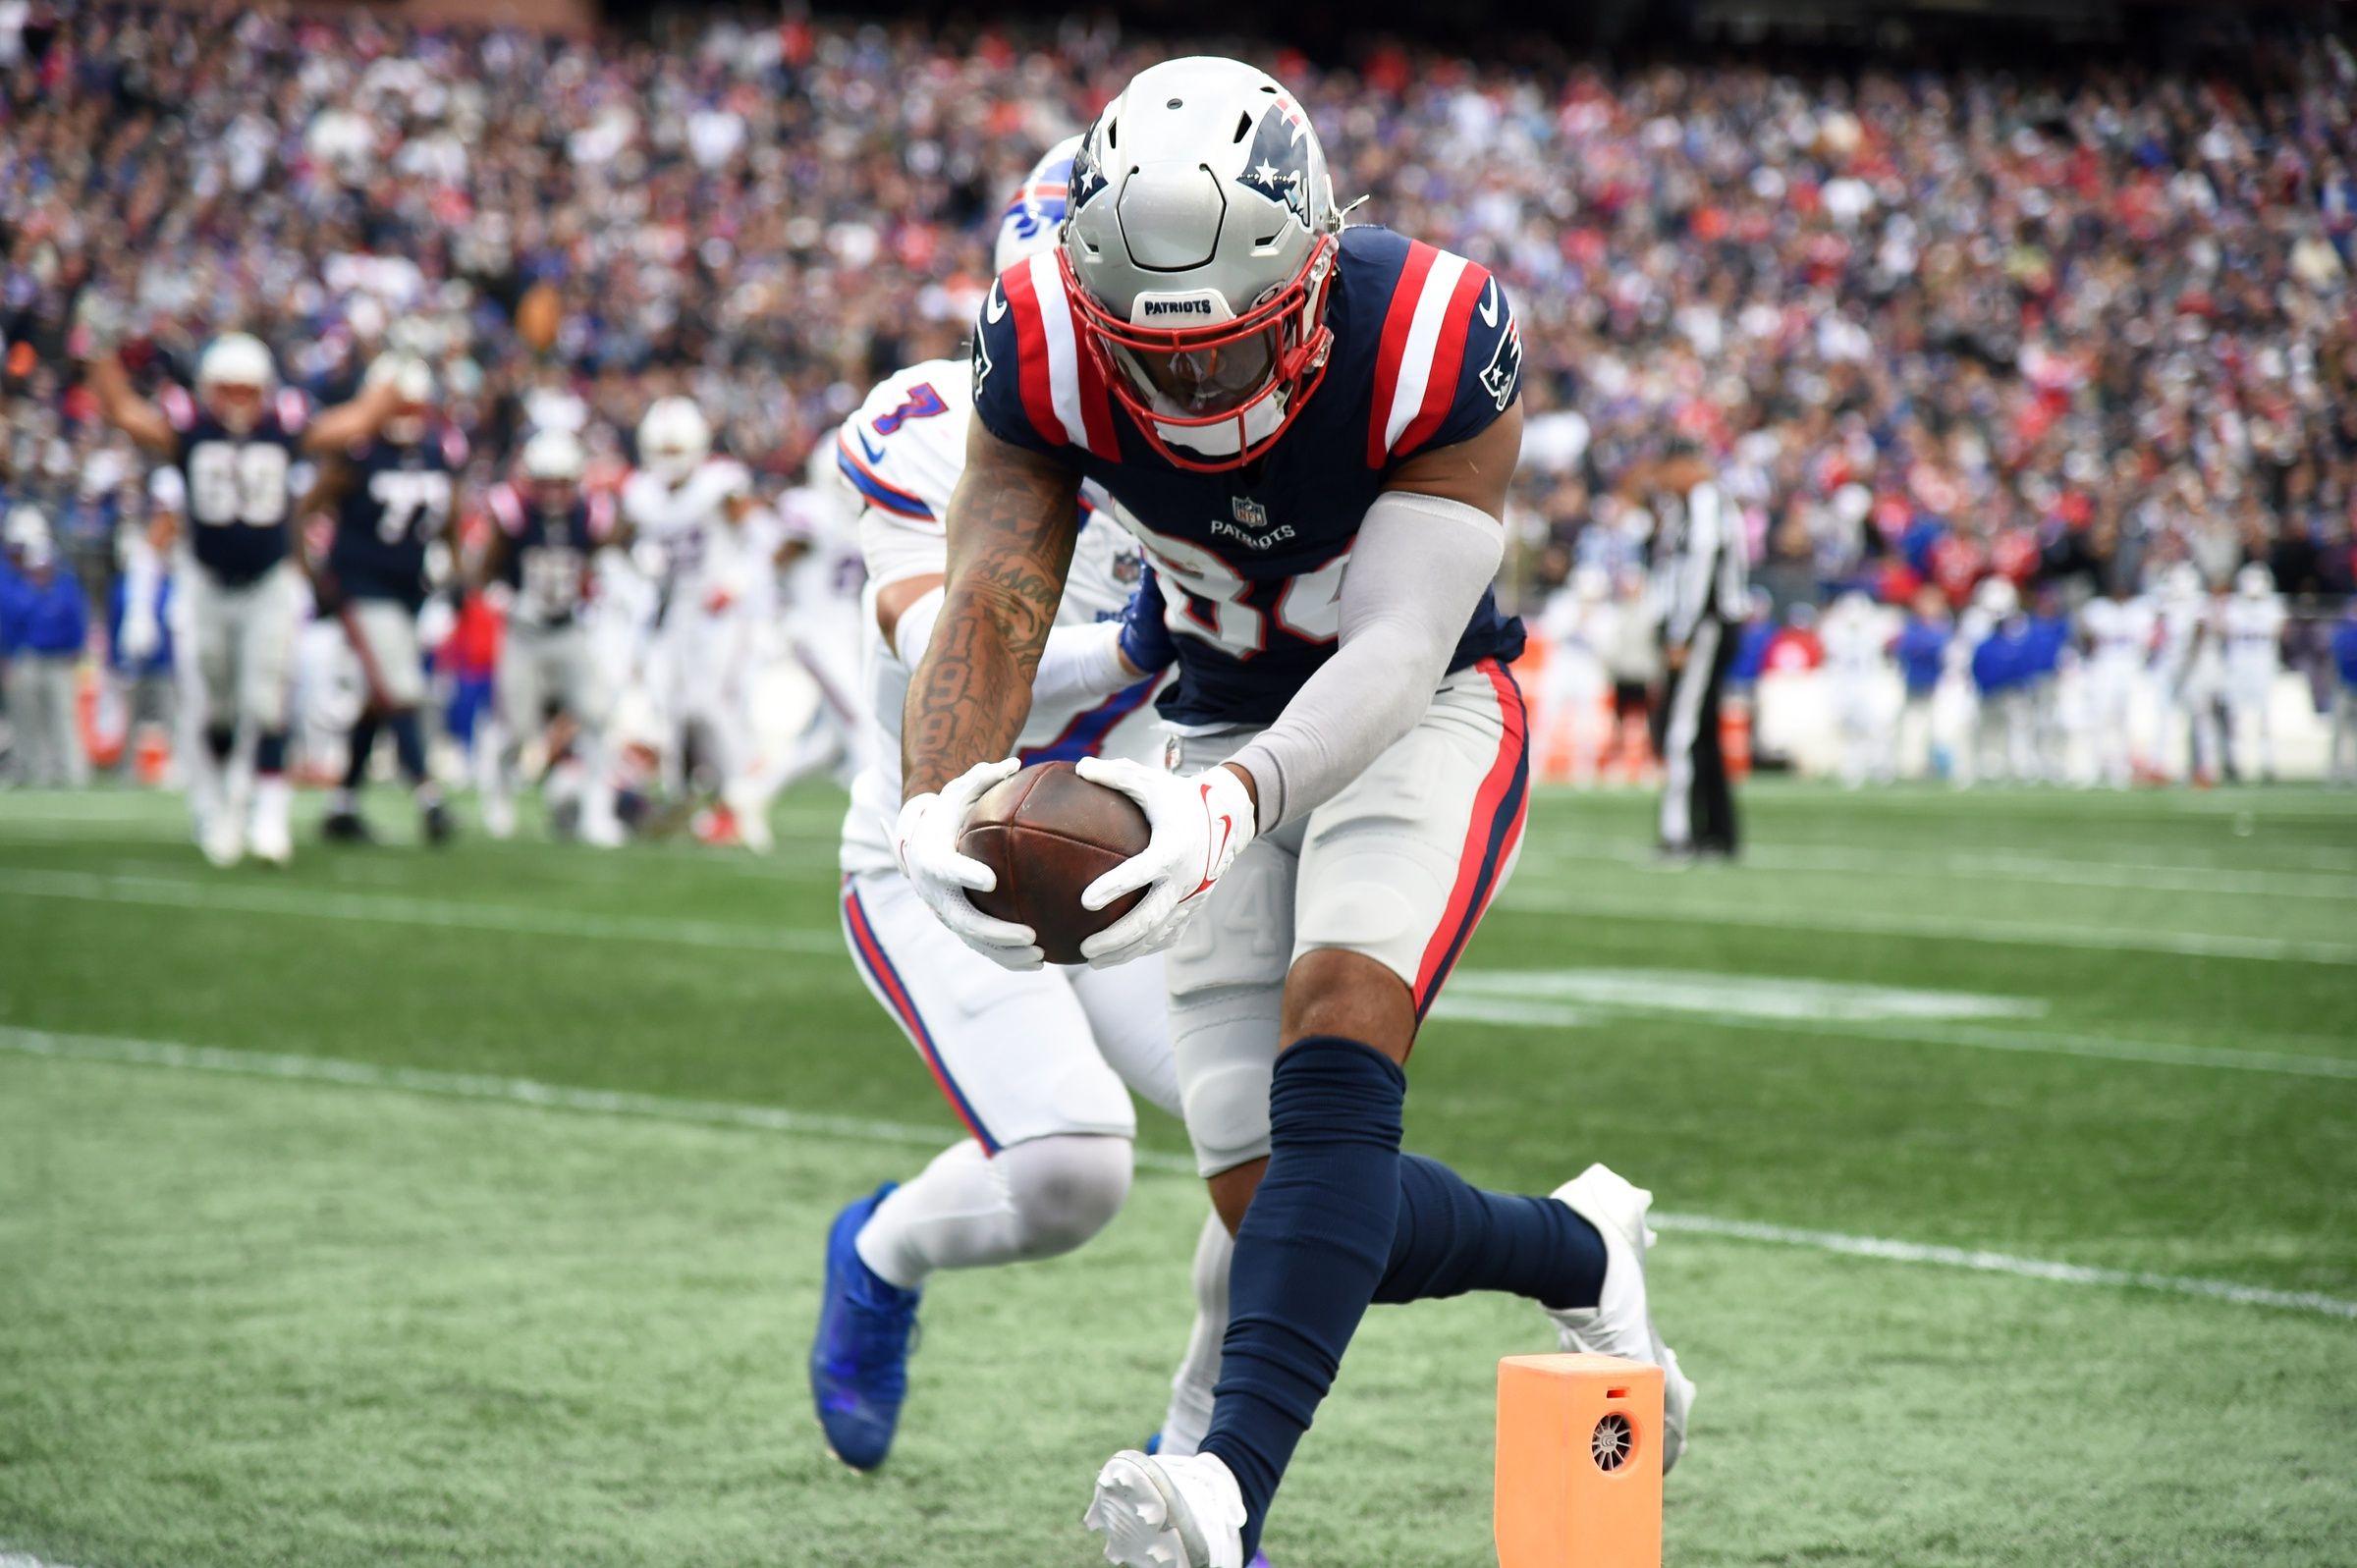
[
  {"x": 1453, "y": 1237},
  {"x": 1308, "y": 1256}
]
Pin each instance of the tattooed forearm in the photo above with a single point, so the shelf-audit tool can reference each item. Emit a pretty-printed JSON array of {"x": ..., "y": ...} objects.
[{"x": 1011, "y": 529}]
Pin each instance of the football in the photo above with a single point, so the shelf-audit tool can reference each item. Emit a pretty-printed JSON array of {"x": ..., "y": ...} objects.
[{"x": 1049, "y": 832}]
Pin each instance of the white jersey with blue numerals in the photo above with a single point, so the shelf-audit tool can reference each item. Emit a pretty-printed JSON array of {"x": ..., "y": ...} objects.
[{"x": 903, "y": 454}]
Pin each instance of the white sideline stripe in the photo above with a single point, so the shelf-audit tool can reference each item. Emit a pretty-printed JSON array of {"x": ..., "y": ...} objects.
[
  {"x": 2005, "y": 1262},
  {"x": 1712, "y": 994},
  {"x": 17, "y": 1559},
  {"x": 1993, "y": 866},
  {"x": 292, "y": 1069},
  {"x": 766, "y": 1118},
  {"x": 1885, "y": 923},
  {"x": 174, "y": 893},
  {"x": 1535, "y": 1014}
]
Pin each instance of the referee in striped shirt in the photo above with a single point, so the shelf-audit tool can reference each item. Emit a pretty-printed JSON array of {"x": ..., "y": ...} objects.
[{"x": 1701, "y": 593}]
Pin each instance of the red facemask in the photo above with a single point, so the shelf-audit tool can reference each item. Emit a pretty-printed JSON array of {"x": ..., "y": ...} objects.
[{"x": 1254, "y": 373}]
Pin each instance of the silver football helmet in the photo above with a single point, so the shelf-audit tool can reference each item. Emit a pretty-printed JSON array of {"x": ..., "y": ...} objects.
[
  {"x": 674, "y": 439},
  {"x": 235, "y": 376},
  {"x": 1197, "y": 249},
  {"x": 414, "y": 381},
  {"x": 553, "y": 464}
]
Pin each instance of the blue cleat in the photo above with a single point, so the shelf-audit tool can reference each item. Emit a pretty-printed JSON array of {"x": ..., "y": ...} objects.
[{"x": 859, "y": 1362}]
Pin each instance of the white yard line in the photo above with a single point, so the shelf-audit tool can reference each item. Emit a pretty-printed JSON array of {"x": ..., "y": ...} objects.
[
  {"x": 1476, "y": 1007},
  {"x": 455, "y": 914},
  {"x": 2005, "y": 1263},
  {"x": 199, "y": 891},
  {"x": 1988, "y": 865},
  {"x": 1525, "y": 898},
  {"x": 610, "y": 1103}
]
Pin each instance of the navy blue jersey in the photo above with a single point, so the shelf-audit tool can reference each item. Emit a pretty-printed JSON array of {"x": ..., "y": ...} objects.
[
  {"x": 547, "y": 562},
  {"x": 239, "y": 489},
  {"x": 1425, "y": 354},
  {"x": 395, "y": 502}
]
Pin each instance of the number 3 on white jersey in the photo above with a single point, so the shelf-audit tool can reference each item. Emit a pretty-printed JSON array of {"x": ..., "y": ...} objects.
[{"x": 1309, "y": 609}]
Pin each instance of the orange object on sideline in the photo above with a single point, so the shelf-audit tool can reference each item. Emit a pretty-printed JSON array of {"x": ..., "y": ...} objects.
[{"x": 1579, "y": 1463}]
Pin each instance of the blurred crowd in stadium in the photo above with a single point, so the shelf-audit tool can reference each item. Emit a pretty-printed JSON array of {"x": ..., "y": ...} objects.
[{"x": 1941, "y": 329}]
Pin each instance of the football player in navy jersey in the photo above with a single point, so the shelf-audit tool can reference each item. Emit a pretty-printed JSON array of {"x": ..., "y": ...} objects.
[
  {"x": 542, "y": 556},
  {"x": 1311, "y": 429},
  {"x": 236, "y": 444},
  {"x": 391, "y": 499}
]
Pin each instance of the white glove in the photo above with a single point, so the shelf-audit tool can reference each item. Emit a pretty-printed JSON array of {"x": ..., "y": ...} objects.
[
  {"x": 926, "y": 840},
  {"x": 1200, "y": 824},
  {"x": 141, "y": 634}
]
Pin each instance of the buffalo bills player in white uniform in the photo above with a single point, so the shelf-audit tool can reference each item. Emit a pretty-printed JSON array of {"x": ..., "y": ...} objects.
[
  {"x": 2250, "y": 622},
  {"x": 2117, "y": 629},
  {"x": 239, "y": 594},
  {"x": 1039, "y": 1065},
  {"x": 699, "y": 512},
  {"x": 1311, "y": 429}
]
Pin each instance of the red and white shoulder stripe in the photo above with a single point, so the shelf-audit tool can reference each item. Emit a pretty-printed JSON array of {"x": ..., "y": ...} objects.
[
  {"x": 1423, "y": 349},
  {"x": 293, "y": 410},
  {"x": 1064, "y": 391}
]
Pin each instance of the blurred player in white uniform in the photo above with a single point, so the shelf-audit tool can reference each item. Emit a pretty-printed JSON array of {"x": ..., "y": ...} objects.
[
  {"x": 1857, "y": 636},
  {"x": 824, "y": 568},
  {"x": 2251, "y": 625},
  {"x": 543, "y": 559},
  {"x": 2117, "y": 629},
  {"x": 700, "y": 514},
  {"x": 2192, "y": 675},
  {"x": 1578, "y": 624},
  {"x": 1039, "y": 1065}
]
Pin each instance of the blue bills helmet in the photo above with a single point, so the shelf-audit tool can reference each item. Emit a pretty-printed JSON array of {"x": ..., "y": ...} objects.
[{"x": 1034, "y": 217}]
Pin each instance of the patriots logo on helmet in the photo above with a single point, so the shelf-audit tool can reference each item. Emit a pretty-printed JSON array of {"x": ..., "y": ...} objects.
[
  {"x": 1278, "y": 167},
  {"x": 1089, "y": 176}
]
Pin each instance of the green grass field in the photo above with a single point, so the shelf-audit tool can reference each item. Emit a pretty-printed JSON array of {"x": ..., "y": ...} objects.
[{"x": 467, "y": 1208}]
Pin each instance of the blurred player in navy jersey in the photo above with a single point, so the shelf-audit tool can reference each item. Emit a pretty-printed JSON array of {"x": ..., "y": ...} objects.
[
  {"x": 236, "y": 444},
  {"x": 391, "y": 499},
  {"x": 1310, "y": 429},
  {"x": 542, "y": 561}
]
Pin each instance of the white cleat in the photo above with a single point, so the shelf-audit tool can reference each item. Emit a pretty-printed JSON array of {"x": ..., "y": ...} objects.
[
  {"x": 499, "y": 817},
  {"x": 1167, "y": 1512},
  {"x": 1620, "y": 1324},
  {"x": 751, "y": 812},
  {"x": 272, "y": 843},
  {"x": 221, "y": 841}
]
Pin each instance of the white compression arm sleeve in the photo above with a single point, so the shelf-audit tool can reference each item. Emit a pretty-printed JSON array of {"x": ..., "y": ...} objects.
[
  {"x": 1080, "y": 664},
  {"x": 1415, "y": 577}
]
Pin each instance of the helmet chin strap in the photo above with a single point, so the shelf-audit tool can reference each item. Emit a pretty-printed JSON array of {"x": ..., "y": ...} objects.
[{"x": 1255, "y": 423}]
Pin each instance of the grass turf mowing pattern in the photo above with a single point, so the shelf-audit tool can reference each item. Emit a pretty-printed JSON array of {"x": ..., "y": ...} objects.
[{"x": 248, "y": 1322}]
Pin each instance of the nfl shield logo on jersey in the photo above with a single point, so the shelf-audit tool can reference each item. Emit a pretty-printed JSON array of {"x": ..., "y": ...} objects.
[{"x": 1251, "y": 513}]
